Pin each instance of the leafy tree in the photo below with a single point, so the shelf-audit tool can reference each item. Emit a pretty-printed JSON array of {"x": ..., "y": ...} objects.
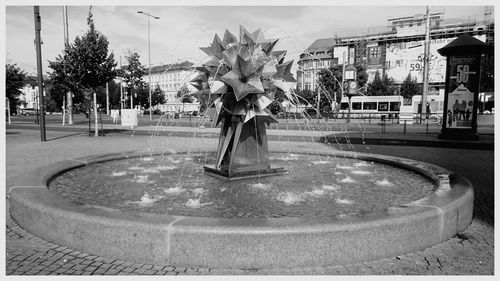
[
  {"x": 361, "y": 76},
  {"x": 54, "y": 95},
  {"x": 114, "y": 94},
  {"x": 381, "y": 86},
  {"x": 275, "y": 107},
  {"x": 308, "y": 95},
  {"x": 86, "y": 62},
  {"x": 157, "y": 96},
  {"x": 141, "y": 95},
  {"x": 187, "y": 99},
  {"x": 182, "y": 91},
  {"x": 328, "y": 80},
  {"x": 132, "y": 77},
  {"x": 14, "y": 81},
  {"x": 84, "y": 66},
  {"x": 410, "y": 87}
]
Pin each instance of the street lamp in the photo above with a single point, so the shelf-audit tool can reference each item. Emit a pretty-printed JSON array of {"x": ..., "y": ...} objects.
[{"x": 149, "y": 60}]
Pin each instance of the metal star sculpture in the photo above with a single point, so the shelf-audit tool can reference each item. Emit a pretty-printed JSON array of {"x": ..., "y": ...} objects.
[
  {"x": 245, "y": 72},
  {"x": 250, "y": 70}
]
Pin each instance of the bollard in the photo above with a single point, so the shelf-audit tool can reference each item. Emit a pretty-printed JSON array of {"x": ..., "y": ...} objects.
[{"x": 404, "y": 128}]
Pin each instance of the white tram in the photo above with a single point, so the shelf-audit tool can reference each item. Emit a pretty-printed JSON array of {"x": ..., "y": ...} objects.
[{"x": 390, "y": 106}]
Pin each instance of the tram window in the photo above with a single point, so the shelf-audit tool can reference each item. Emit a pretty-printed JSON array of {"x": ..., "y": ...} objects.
[
  {"x": 407, "y": 101},
  {"x": 344, "y": 105},
  {"x": 394, "y": 106},
  {"x": 356, "y": 105},
  {"x": 370, "y": 106},
  {"x": 383, "y": 106}
]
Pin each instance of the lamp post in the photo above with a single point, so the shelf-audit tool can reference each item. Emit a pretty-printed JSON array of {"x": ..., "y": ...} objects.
[{"x": 149, "y": 60}]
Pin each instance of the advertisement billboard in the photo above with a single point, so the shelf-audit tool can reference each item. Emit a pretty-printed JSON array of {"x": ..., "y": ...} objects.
[
  {"x": 338, "y": 53},
  {"x": 462, "y": 87},
  {"x": 375, "y": 56},
  {"x": 408, "y": 57}
]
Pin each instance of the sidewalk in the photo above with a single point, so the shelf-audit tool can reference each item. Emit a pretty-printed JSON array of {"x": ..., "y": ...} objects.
[
  {"x": 471, "y": 252},
  {"x": 333, "y": 131}
]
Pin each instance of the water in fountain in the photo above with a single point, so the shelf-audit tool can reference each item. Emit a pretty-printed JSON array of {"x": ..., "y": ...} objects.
[
  {"x": 158, "y": 185},
  {"x": 319, "y": 185}
]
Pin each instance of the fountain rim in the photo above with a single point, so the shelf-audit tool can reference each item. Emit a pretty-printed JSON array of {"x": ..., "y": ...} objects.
[{"x": 34, "y": 207}]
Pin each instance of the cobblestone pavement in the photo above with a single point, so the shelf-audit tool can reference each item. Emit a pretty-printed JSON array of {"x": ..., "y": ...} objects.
[{"x": 469, "y": 253}]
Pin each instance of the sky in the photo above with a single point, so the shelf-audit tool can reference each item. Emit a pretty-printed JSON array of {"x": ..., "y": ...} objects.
[{"x": 181, "y": 30}]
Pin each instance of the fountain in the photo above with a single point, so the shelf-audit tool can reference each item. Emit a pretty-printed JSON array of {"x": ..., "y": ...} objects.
[
  {"x": 246, "y": 73},
  {"x": 317, "y": 208}
]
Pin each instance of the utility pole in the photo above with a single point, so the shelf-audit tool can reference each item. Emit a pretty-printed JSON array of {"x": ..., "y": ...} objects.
[
  {"x": 149, "y": 61},
  {"x": 121, "y": 88},
  {"x": 426, "y": 66},
  {"x": 69, "y": 95},
  {"x": 8, "y": 108},
  {"x": 38, "y": 28},
  {"x": 318, "y": 104},
  {"x": 107, "y": 98}
]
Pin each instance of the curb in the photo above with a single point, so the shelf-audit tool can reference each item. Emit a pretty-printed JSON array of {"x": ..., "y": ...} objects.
[
  {"x": 328, "y": 139},
  {"x": 248, "y": 242}
]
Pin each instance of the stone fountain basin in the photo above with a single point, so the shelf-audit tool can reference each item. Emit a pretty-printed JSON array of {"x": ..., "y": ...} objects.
[{"x": 244, "y": 242}]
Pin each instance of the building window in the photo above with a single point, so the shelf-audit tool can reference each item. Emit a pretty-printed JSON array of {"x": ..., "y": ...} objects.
[
  {"x": 356, "y": 106},
  {"x": 369, "y": 105},
  {"x": 394, "y": 106},
  {"x": 383, "y": 106}
]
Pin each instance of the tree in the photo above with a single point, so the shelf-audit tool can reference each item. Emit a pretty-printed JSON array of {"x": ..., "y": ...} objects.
[
  {"x": 329, "y": 82},
  {"x": 114, "y": 94},
  {"x": 157, "y": 96},
  {"x": 132, "y": 76},
  {"x": 307, "y": 96},
  {"x": 361, "y": 77},
  {"x": 182, "y": 91},
  {"x": 88, "y": 64},
  {"x": 54, "y": 95},
  {"x": 381, "y": 86},
  {"x": 410, "y": 87},
  {"x": 187, "y": 99},
  {"x": 275, "y": 107},
  {"x": 14, "y": 81}
]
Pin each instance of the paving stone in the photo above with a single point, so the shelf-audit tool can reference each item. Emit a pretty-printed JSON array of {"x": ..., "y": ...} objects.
[
  {"x": 100, "y": 271},
  {"x": 139, "y": 271},
  {"x": 149, "y": 271},
  {"x": 128, "y": 269},
  {"x": 470, "y": 253},
  {"x": 111, "y": 271}
]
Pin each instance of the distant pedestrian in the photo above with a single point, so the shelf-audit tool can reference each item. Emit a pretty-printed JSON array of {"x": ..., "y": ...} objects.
[
  {"x": 114, "y": 115},
  {"x": 450, "y": 118},
  {"x": 467, "y": 114}
]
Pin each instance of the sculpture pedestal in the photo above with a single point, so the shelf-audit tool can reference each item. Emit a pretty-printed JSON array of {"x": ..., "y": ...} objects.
[{"x": 242, "y": 151}]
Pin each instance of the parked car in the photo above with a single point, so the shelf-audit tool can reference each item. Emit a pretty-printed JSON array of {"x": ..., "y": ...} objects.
[{"x": 27, "y": 111}]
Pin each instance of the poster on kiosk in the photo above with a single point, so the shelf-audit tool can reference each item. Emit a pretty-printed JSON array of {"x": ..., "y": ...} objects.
[{"x": 462, "y": 87}]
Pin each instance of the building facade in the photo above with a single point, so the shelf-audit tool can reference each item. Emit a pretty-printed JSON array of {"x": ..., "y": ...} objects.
[
  {"x": 170, "y": 78},
  {"x": 29, "y": 93},
  {"x": 396, "y": 50}
]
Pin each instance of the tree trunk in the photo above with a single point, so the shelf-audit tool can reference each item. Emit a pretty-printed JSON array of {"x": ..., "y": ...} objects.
[
  {"x": 95, "y": 115},
  {"x": 70, "y": 108}
]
